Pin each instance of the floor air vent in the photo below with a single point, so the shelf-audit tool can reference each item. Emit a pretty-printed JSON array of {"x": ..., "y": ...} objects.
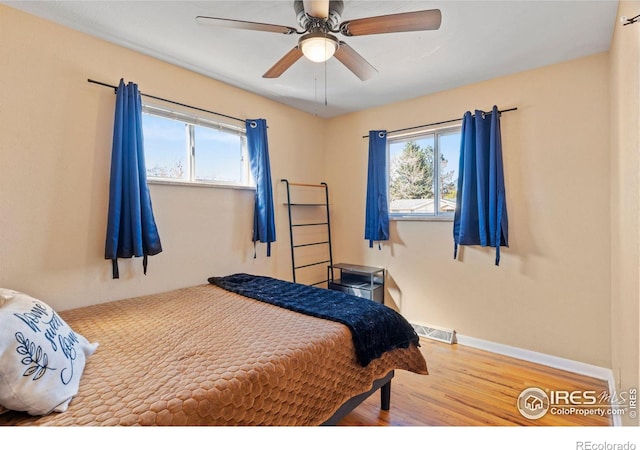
[{"x": 435, "y": 333}]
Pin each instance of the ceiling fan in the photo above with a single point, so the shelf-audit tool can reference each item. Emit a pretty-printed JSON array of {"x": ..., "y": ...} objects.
[{"x": 320, "y": 20}]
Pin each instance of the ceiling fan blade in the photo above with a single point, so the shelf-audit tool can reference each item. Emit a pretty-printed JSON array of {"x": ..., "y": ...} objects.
[
  {"x": 244, "y": 25},
  {"x": 393, "y": 23},
  {"x": 317, "y": 8},
  {"x": 284, "y": 63},
  {"x": 354, "y": 62}
]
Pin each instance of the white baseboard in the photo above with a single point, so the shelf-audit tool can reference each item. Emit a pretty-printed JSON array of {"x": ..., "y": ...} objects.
[{"x": 589, "y": 370}]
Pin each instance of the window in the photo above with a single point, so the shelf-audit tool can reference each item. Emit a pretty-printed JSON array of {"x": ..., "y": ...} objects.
[
  {"x": 419, "y": 187},
  {"x": 189, "y": 149}
]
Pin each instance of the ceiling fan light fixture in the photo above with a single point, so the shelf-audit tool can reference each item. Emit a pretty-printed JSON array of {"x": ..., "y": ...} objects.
[{"x": 318, "y": 46}]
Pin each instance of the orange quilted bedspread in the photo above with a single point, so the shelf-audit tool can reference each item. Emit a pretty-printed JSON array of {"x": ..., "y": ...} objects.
[{"x": 205, "y": 356}]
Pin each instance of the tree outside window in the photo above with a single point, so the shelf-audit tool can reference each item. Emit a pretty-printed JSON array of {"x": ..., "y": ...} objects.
[{"x": 418, "y": 187}]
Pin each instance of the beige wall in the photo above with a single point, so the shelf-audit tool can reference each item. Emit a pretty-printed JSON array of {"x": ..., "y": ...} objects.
[
  {"x": 551, "y": 291},
  {"x": 55, "y": 145},
  {"x": 625, "y": 199}
]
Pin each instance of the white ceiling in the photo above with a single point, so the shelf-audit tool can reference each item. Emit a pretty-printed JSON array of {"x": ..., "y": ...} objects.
[{"x": 477, "y": 40}]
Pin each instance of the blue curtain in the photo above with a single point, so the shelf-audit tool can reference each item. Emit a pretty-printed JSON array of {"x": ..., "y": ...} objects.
[
  {"x": 264, "y": 228},
  {"x": 481, "y": 209},
  {"x": 377, "y": 209},
  {"x": 131, "y": 228}
]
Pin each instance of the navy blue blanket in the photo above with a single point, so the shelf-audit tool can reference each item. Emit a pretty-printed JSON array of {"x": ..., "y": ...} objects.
[{"x": 375, "y": 328}]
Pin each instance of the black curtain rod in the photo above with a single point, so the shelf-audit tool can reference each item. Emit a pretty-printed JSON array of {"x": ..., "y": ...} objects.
[
  {"x": 438, "y": 123},
  {"x": 115, "y": 88}
]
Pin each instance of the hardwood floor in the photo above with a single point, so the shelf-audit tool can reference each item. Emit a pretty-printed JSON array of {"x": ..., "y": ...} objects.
[{"x": 471, "y": 387}]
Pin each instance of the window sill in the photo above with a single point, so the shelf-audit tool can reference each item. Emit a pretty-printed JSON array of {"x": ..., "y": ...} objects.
[
  {"x": 421, "y": 218},
  {"x": 199, "y": 184}
]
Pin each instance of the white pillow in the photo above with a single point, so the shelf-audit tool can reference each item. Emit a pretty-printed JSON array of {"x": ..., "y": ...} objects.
[{"x": 41, "y": 357}]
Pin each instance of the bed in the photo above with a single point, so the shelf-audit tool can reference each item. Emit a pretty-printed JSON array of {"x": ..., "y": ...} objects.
[{"x": 205, "y": 355}]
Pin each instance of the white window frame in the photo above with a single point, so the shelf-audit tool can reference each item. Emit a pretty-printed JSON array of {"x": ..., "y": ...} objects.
[
  {"x": 414, "y": 136},
  {"x": 191, "y": 151}
]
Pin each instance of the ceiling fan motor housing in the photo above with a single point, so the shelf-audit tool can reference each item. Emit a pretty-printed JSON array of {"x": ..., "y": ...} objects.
[{"x": 331, "y": 23}]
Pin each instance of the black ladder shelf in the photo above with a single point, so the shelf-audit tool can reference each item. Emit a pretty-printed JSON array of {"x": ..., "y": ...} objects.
[{"x": 319, "y": 219}]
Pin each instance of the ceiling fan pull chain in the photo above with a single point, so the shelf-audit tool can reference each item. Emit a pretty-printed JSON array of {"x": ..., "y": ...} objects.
[
  {"x": 325, "y": 84},
  {"x": 315, "y": 93}
]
